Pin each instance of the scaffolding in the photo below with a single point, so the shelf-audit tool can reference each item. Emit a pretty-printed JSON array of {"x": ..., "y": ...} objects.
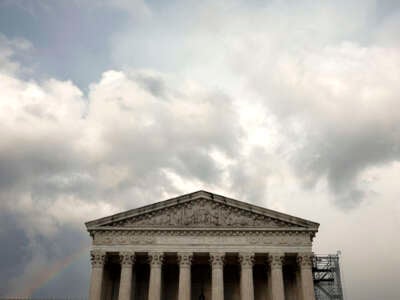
[{"x": 327, "y": 280}]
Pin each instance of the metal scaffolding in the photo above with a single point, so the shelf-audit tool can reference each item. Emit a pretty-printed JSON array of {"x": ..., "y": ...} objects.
[{"x": 327, "y": 280}]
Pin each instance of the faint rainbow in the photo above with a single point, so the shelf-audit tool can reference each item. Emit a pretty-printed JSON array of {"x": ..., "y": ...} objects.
[{"x": 43, "y": 276}]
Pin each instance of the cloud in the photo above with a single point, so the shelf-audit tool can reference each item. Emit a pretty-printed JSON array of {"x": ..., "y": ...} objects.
[
  {"x": 287, "y": 105},
  {"x": 10, "y": 51},
  {"x": 338, "y": 103},
  {"x": 67, "y": 157},
  {"x": 136, "y": 8},
  {"x": 15, "y": 252},
  {"x": 331, "y": 88}
]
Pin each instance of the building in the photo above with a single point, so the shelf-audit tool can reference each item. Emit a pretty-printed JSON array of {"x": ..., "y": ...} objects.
[{"x": 202, "y": 246}]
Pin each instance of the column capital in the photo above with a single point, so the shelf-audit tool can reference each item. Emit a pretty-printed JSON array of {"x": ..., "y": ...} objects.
[
  {"x": 276, "y": 260},
  {"x": 305, "y": 260},
  {"x": 246, "y": 259},
  {"x": 97, "y": 258},
  {"x": 127, "y": 259},
  {"x": 156, "y": 259},
  {"x": 185, "y": 259},
  {"x": 217, "y": 259}
]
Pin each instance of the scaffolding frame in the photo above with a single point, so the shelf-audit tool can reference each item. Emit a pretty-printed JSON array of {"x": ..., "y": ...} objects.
[{"x": 327, "y": 278}]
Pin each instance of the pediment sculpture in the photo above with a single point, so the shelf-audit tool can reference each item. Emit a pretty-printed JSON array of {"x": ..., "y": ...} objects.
[{"x": 201, "y": 213}]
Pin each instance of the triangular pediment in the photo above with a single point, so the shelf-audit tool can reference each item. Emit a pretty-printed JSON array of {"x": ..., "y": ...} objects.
[{"x": 201, "y": 210}]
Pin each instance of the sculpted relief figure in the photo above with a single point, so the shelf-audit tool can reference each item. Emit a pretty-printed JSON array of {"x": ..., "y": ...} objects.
[
  {"x": 188, "y": 216},
  {"x": 201, "y": 213}
]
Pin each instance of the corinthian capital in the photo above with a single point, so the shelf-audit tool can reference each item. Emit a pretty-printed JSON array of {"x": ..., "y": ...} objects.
[
  {"x": 97, "y": 258},
  {"x": 156, "y": 259},
  {"x": 305, "y": 260},
  {"x": 246, "y": 260},
  {"x": 185, "y": 259},
  {"x": 217, "y": 260},
  {"x": 126, "y": 259},
  {"x": 276, "y": 260}
]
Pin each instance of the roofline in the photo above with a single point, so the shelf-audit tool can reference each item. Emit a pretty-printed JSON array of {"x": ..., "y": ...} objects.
[
  {"x": 195, "y": 195},
  {"x": 180, "y": 229}
]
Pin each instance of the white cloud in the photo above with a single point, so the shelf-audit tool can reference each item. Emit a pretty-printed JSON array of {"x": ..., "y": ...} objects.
[
  {"x": 66, "y": 158},
  {"x": 61, "y": 150}
]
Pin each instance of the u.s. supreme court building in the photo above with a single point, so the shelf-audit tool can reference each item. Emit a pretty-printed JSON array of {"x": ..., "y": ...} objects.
[{"x": 201, "y": 246}]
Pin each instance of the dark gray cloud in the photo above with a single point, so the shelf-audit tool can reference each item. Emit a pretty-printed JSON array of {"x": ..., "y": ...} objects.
[
  {"x": 250, "y": 173},
  {"x": 333, "y": 96},
  {"x": 341, "y": 118},
  {"x": 15, "y": 251},
  {"x": 342, "y": 157},
  {"x": 47, "y": 266},
  {"x": 68, "y": 261}
]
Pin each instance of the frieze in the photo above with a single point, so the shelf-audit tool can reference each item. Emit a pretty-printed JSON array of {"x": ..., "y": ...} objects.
[
  {"x": 201, "y": 213},
  {"x": 124, "y": 237},
  {"x": 121, "y": 238},
  {"x": 280, "y": 239}
]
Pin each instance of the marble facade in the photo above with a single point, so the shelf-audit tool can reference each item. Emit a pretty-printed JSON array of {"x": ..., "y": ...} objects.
[{"x": 201, "y": 246}]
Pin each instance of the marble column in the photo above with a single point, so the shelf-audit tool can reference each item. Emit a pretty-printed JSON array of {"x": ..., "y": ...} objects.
[
  {"x": 298, "y": 284},
  {"x": 306, "y": 279},
  {"x": 185, "y": 263},
  {"x": 246, "y": 276},
  {"x": 125, "y": 287},
  {"x": 217, "y": 276},
  {"x": 96, "y": 280},
  {"x": 275, "y": 261},
  {"x": 155, "y": 259}
]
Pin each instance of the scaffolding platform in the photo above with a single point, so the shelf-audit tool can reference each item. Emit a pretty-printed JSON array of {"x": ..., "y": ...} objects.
[{"x": 327, "y": 278}]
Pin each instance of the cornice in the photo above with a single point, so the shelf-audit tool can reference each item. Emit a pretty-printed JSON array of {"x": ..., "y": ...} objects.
[
  {"x": 205, "y": 231},
  {"x": 202, "y": 229}
]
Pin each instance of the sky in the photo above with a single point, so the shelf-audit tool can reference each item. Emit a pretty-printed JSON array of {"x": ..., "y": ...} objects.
[{"x": 110, "y": 105}]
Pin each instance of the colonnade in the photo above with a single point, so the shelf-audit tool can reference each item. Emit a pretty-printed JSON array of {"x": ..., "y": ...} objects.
[{"x": 246, "y": 260}]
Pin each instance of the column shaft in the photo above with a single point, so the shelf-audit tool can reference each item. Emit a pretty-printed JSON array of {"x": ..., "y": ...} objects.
[
  {"x": 217, "y": 276},
  {"x": 125, "y": 286},
  {"x": 246, "y": 276},
  {"x": 307, "y": 283},
  {"x": 276, "y": 276},
  {"x": 184, "y": 290},
  {"x": 298, "y": 285},
  {"x": 96, "y": 279},
  {"x": 155, "y": 276}
]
